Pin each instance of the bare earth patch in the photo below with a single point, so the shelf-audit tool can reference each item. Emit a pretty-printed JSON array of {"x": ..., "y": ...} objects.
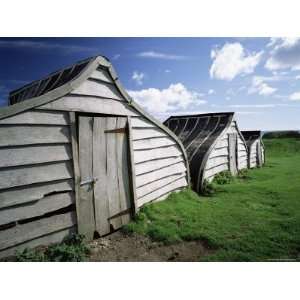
[{"x": 121, "y": 247}]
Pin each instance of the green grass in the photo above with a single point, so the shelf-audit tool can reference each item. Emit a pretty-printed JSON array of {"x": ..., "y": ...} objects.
[{"x": 254, "y": 218}]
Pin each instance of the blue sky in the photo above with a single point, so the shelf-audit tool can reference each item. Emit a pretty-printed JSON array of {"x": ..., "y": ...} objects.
[{"x": 258, "y": 78}]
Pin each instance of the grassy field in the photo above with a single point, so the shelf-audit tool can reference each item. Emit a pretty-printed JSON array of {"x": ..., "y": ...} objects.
[{"x": 256, "y": 218}]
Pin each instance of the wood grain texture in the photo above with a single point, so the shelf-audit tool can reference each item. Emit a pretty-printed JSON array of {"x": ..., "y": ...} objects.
[
  {"x": 151, "y": 187},
  {"x": 146, "y": 133},
  {"x": 21, "y": 176},
  {"x": 155, "y": 195},
  {"x": 27, "y": 135},
  {"x": 145, "y": 155},
  {"x": 34, "y": 155},
  {"x": 152, "y": 143},
  {"x": 112, "y": 174},
  {"x": 86, "y": 218},
  {"x": 101, "y": 74},
  {"x": 91, "y": 105},
  {"x": 52, "y": 238},
  {"x": 218, "y": 152},
  {"x": 140, "y": 122},
  {"x": 100, "y": 89},
  {"x": 99, "y": 171},
  {"x": 161, "y": 173},
  {"x": 216, "y": 161},
  {"x": 36, "y": 208},
  {"x": 25, "y": 232},
  {"x": 153, "y": 165},
  {"x": 38, "y": 117},
  {"x": 23, "y": 195}
]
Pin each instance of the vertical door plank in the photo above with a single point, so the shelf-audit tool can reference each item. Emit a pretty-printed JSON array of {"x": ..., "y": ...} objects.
[
  {"x": 112, "y": 174},
  {"x": 86, "y": 206},
  {"x": 122, "y": 169},
  {"x": 99, "y": 171},
  {"x": 258, "y": 154},
  {"x": 232, "y": 140}
]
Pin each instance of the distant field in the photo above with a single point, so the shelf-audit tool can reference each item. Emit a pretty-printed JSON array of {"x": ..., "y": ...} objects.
[{"x": 252, "y": 219}]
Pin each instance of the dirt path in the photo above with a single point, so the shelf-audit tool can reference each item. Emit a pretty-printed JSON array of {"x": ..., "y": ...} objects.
[{"x": 121, "y": 247}]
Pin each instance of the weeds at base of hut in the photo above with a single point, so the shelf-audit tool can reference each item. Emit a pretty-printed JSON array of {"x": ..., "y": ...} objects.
[{"x": 74, "y": 249}]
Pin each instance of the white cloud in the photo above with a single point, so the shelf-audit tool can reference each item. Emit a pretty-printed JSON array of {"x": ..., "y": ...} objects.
[
  {"x": 295, "y": 96},
  {"x": 232, "y": 60},
  {"x": 167, "y": 71},
  {"x": 284, "y": 54},
  {"x": 227, "y": 98},
  {"x": 138, "y": 77},
  {"x": 211, "y": 92},
  {"x": 159, "y": 55},
  {"x": 259, "y": 86},
  {"x": 175, "y": 97},
  {"x": 297, "y": 77},
  {"x": 116, "y": 56}
]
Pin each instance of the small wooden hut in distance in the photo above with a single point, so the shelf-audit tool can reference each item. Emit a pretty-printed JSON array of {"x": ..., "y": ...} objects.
[
  {"x": 256, "y": 148},
  {"x": 77, "y": 154},
  {"x": 213, "y": 144}
]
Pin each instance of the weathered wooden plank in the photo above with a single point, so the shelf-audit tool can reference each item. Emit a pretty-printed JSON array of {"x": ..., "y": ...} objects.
[
  {"x": 52, "y": 238},
  {"x": 232, "y": 141},
  {"x": 153, "y": 143},
  {"x": 38, "y": 117},
  {"x": 132, "y": 173},
  {"x": 153, "y": 165},
  {"x": 162, "y": 191},
  {"x": 99, "y": 172},
  {"x": 221, "y": 144},
  {"x": 100, "y": 89},
  {"x": 86, "y": 218},
  {"x": 22, "y": 195},
  {"x": 216, "y": 161},
  {"x": 91, "y": 105},
  {"x": 123, "y": 171},
  {"x": 145, "y": 155},
  {"x": 101, "y": 74},
  {"x": 151, "y": 187},
  {"x": 22, "y": 233},
  {"x": 161, "y": 173},
  {"x": 215, "y": 170},
  {"x": 219, "y": 152},
  {"x": 20, "y": 176},
  {"x": 36, "y": 208},
  {"x": 112, "y": 174},
  {"x": 34, "y": 155},
  {"x": 140, "y": 122},
  {"x": 146, "y": 133},
  {"x": 27, "y": 135}
]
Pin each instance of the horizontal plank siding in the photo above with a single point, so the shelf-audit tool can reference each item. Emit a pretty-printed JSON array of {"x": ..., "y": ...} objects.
[
  {"x": 157, "y": 194},
  {"x": 146, "y": 133},
  {"x": 21, "y": 176},
  {"x": 25, "y": 232},
  {"x": 153, "y": 143},
  {"x": 52, "y": 238},
  {"x": 153, "y": 165},
  {"x": 216, "y": 161},
  {"x": 145, "y": 155},
  {"x": 161, "y": 173},
  {"x": 28, "y": 135},
  {"x": 34, "y": 155},
  {"x": 149, "y": 188},
  {"x": 38, "y": 118},
  {"x": 35, "y": 192},
  {"x": 219, "y": 152},
  {"x": 215, "y": 170},
  {"x": 36, "y": 208},
  {"x": 102, "y": 75},
  {"x": 90, "y": 105},
  {"x": 100, "y": 89},
  {"x": 139, "y": 122}
]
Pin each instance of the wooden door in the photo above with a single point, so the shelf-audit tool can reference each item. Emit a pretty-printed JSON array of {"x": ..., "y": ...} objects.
[
  {"x": 258, "y": 154},
  {"x": 232, "y": 142},
  {"x": 104, "y": 192}
]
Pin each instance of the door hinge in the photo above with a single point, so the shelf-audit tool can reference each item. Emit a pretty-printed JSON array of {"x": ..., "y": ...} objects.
[{"x": 117, "y": 130}]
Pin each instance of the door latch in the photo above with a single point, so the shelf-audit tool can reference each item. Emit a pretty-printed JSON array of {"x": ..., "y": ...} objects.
[{"x": 89, "y": 181}]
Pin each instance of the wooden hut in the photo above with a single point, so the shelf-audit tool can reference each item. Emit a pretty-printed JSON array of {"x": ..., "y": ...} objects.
[
  {"x": 213, "y": 144},
  {"x": 256, "y": 148},
  {"x": 77, "y": 154}
]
